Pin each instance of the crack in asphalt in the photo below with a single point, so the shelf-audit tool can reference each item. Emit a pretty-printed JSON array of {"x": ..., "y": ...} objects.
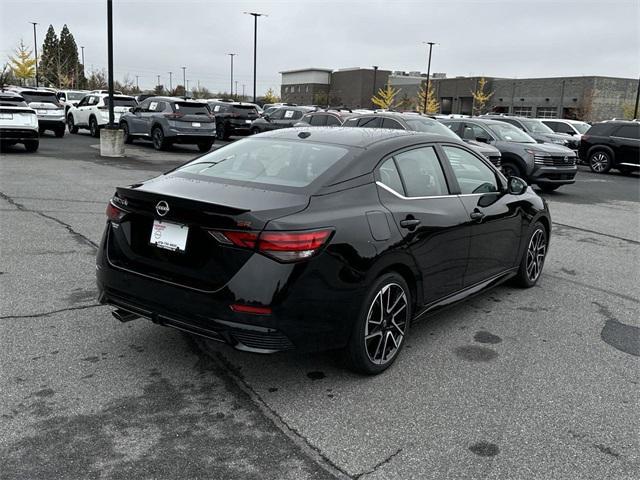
[
  {"x": 592, "y": 287},
  {"x": 52, "y": 312},
  {"x": 229, "y": 371},
  {"x": 77, "y": 236},
  {"x": 586, "y": 230},
  {"x": 380, "y": 464}
]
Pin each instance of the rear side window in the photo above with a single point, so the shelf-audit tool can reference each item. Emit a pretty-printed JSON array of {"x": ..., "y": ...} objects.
[
  {"x": 268, "y": 161},
  {"x": 369, "y": 122},
  {"x": 352, "y": 122},
  {"x": 473, "y": 175},
  {"x": 190, "y": 108},
  {"x": 628, "y": 131},
  {"x": 390, "y": 177},
  {"x": 391, "y": 123},
  {"x": 600, "y": 129},
  {"x": 331, "y": 120},
  {"x": 421, "y": 173},
  {"x": 318, "y": 120}
]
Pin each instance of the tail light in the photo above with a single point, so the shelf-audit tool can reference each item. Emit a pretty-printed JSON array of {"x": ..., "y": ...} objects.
[
  {"x": 253, "y": 310},
  {"x": 282, "y": 246},
  {"x": 115, "y": 213},
  {"x": 174, "y": 116}
]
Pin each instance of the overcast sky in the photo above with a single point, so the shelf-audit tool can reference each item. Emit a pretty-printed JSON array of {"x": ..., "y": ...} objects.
[{"x": 506, "y": 38}]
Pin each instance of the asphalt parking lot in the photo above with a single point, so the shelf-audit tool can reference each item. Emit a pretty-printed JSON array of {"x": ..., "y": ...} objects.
[{"x": 539, "y": 383}]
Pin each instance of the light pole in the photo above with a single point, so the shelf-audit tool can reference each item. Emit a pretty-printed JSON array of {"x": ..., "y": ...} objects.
[
  {"x": 158, "y": 84},
  {"x": 255, "y": 47},
  {"x": 84, "y": 77},
  {"x": 137, "y": 87},
  {"x": 186, "y": 89},
  {"x": 426, "y": 92},
  {"x": 35, "y": 46},
  {"x": 231, "y": 55},
  {"x": 635, "y": 111},
  {"x": 170, "y": 82},
  {"x": 236, "y": 98},
  {"x": 110, "y": 60},
  {"x": 373, "y": 93},
  {"x": 184, "y": 81},
  {"x": 243, "y": 85}
]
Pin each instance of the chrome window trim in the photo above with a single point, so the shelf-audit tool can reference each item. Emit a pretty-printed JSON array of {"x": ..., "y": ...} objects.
[{"x": 399, "y": 195}]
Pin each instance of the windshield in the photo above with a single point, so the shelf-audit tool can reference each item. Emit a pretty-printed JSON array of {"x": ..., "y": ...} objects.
[
  {"x": 508, "y": 133},
  {"x": 46, "y": 97},
  {"x": 536, "y": 126},
  {"x": 191, "y": 108},
  {"x": 581, "y": 127},
  {"x": 75, "y": 95},
  {"x": 272, "y": 162},
  {"x": 121, "y": 102},
  {"x": 430, "y": 126}
]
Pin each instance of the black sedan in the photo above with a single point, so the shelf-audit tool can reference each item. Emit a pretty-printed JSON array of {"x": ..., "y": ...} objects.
[{"x": 319, "y": 238}]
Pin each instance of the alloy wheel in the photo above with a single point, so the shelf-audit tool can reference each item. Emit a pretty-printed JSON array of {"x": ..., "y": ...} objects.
[
  {"x": 599, "y": 162},
  {"x": 157, "y": 138},
  {"x": 387, "y": 321},
  {"x": 536, "y": 252}
]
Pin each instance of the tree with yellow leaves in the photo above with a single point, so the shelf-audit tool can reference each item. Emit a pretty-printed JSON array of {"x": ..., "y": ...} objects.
[
  {"x": 433, "y": 106},
  {"x": 480, "y": 97},
  {"x": 385, "y": 98},
  {"x": 22, "y": 64}
]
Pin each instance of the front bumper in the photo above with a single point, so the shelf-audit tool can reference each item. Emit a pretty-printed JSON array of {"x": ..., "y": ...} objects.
[{"x": 548, "y": 175}]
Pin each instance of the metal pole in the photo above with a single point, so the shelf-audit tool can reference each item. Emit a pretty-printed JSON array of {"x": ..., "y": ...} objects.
[
  {"x": 170, "y": 82},
  {"x": 35, "y": 46},
  {"x": 184, "y": 81},
  {"x": 84, "y": 77},
  {"x": 137, "y": 87},
  {"x": 110, "y": 59},
  {"x": 373, "y": 93},
  {"x": 82, "y": 49},
  {"x": 158, "y": 84},
  {"x": 255, "y": 47},
  {"x": 232, "y": 55},
  {"x": 635, "y": 111},
  {"x": 243, "y": 91},
  {"x": 426, "y": 92}
]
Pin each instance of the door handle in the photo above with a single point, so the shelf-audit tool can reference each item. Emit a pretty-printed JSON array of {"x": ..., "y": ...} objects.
[
  {"x": 477, "y": 216},
  {"x": 409, "y": 223}
]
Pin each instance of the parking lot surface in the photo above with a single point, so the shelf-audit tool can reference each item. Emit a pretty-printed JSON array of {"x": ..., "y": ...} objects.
[{"x": 538, "y": 383}]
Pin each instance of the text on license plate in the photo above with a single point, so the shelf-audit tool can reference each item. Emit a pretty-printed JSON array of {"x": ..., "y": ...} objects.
[
  {"x": 195, "y": 124},
  {"x": 6, "y": 116},
  {"x": 170, "y": 236}
]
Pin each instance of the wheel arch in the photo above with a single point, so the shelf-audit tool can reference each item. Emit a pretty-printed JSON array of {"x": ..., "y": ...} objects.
[
  {"x": 509, "y": 157},
  {"x": 403, "y": 265},
  {"x": 606, "y": 148}
]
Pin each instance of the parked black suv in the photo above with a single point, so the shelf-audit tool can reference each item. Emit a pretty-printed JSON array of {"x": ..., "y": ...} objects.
[
  {"x": 537, "y": 130},
  {"x": 543, "y": 164},
  {"x": 233, "y": 118},
  {"x": 283, "y": 117},
  {"x": 612, "y": 144},
  {"x": 418, "y": 123}
]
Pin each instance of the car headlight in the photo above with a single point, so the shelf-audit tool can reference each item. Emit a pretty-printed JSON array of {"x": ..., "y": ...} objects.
[{"x": 559, "y": 141}]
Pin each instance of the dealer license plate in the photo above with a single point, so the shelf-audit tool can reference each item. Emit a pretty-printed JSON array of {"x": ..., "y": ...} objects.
[
  {"x": 169, "y": 236},
  {"x": 195, "y": 124},
  {"x": 6, "y": 116}
]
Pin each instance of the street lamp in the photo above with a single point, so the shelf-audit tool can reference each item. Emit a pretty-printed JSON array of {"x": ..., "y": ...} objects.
[
  {"x": 231, "y": 55},
  {"x": 170, "y": 82},
  {"x": 373, "y": 93},
  {"x": 635, "y": 111},
  {"x": 137, "y": 87},
  {"x": 184, "y": 81},
  {"x": 426, "y": 92},
  {"x": 255, "y": 46},
  {"x": 35, "y": 46}
]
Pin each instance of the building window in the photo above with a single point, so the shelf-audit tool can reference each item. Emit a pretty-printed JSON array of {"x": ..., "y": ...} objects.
[
  {"x": 307, "y": 89},
  {"x": 286, "y": 89},
  {"x": 546, "y": 112},
  {"x": 522, "y": 111}
]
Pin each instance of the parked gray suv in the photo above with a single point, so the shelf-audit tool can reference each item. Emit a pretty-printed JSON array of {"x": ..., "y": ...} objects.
[
  {"x": 543, "y": 164},
  {"x": 169, "y": 120}
]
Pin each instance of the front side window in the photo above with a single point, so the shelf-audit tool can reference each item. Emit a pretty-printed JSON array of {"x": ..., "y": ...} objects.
[
  {"x": 421, "y": 173},
  {"x": 473, "y": 175},
  {"x": 267, "y": 161},
  {"x": 428, "y": 125},
  {"x": 318, "y": 120},
  {"x": 536, "y": 126},
  {"x": 277, "y": 115},
  {"x": 331, "y": 121},
  {"x": 474, "y": 132},
  {"x": 391, "y": 123},
  {"x": 509, "y": 133},
  {"x": 369, "y": 122}
]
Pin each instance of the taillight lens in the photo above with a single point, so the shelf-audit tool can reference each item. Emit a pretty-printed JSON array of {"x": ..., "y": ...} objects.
[
  {"x": 283, "y": 246},
  {"x": 114, "y": 213},
  {"x": 173, "y": 116},
  {"x": 251, "y": 309}
]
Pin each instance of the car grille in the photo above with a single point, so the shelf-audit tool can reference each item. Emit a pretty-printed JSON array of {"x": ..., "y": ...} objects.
[{"x": 556, "y": 161}]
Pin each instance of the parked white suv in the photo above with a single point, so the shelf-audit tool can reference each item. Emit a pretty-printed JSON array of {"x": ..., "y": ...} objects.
[
  {"x": 92, "y": 112},
  {"x": 48, "y": 109},
  {"x": 18, "y": 122},
  {"x": 70, "y": 98}
]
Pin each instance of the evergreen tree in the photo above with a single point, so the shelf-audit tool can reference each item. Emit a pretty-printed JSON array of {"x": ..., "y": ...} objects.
[
  {"x": 48, "y": 65},
  {"x": 68, "y": 55}
]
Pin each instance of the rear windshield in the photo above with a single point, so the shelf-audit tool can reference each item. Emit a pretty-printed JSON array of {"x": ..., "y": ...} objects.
[
  {"x": 121, "y": 102},
  {"x": 45, "y": 97},
  {"x": 191, "y": 108},
  {"x": 75, "y": 95},
  {"x": 430, "y": 126},
  {"x": 536, "y": 126},
  {"x": 11, "y": 101},
  {"x": 244, "y": 109},
  {"x": 268, "y": 161}
]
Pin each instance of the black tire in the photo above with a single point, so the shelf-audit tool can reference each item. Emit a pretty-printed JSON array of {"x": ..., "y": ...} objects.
[
  {"x": 31, "y": 145},
  {"x": 127, "y": 137},
  {"x": 59, "y": 131},
  {"x": 205, "y": 147},
  {"x": 510, "y": 169},
  {"x": 221, "y": 131},
  {"x": 71, "y": 124},
  {"x": 531, "y": 264},
  {"x": 361, "y": 352},
  {"x": 93, "y": 127},
  {"x": 255, "y": 131},
  {"x": 159, "y": 141},
  {"x": 549, "y": 188},
  {"x": 41, "y": 130},
  {"x": 600, "y": 161}
]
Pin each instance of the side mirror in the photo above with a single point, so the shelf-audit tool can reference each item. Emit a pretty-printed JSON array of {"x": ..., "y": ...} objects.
[
  {"x": 267, "y": 117},
  {"x": 516, "y": 186}
]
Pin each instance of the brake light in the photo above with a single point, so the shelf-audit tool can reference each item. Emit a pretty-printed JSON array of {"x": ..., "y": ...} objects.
[
  {"x": 283, "y": 246},
  {"x": 585, "y": 137},
  {"x": 239, "y": 308},
  {"x": 114, "y": 213},
  {"x": 173, "y": 116}
]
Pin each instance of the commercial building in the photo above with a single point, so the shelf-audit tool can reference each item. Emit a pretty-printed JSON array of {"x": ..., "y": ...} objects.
[{"x": 305, "y": 86}]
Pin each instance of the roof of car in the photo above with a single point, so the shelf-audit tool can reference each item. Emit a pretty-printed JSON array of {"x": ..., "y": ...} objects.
[
  {"x": 173, "y": 99},
  {"x": 349, "y": 136},
  {"x": 484, "y": 120}
]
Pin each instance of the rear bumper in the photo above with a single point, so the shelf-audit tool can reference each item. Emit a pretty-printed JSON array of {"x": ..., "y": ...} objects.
[
  {"x": 202, "y": 137},
  {"x": 18, "y": 134},
  {"x": 548, "y": 175},
  {"x": 51, "y": 122}
]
